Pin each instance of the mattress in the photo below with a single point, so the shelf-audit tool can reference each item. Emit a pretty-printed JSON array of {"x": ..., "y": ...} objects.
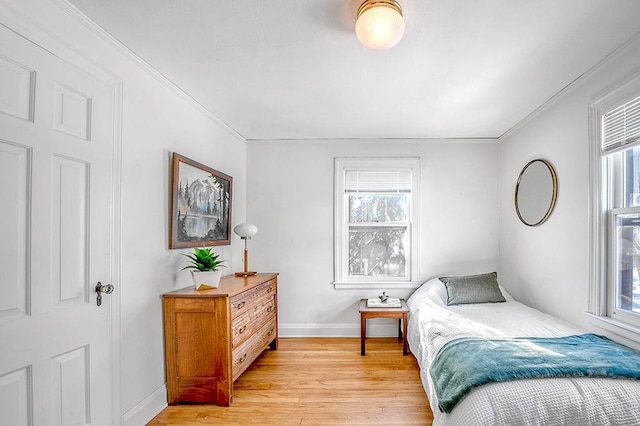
[{"x": 555, "y": 401}]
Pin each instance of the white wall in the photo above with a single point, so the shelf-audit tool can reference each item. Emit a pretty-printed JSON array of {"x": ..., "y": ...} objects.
[
  {"x": 548, "y": 266},
  {"x": 290, "y": 199},
  {"x": 156, "y": 121}
]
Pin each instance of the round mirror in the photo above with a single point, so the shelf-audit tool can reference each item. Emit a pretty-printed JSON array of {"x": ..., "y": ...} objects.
[{"x": 536, "y": 192}]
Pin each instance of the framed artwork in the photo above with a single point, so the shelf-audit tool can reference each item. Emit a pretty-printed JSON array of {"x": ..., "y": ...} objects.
[{"x": 200, "y": 205}]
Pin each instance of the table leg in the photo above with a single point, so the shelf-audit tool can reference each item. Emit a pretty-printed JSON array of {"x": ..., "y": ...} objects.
[{"x": 363, "y": 333}]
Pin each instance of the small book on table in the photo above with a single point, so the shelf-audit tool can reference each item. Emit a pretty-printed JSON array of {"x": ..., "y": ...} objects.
[{"x": 391, "y": 302}]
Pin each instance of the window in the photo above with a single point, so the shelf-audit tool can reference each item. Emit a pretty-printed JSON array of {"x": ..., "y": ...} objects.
[
  {"x": 615, "y": 287},
  {"x": 375, "y": 223}
]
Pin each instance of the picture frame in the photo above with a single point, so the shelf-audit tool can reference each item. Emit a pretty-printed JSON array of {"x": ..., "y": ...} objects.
[{"x": 200, "y": 205}]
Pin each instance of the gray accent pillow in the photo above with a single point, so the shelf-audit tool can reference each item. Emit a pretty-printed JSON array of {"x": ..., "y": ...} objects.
[{"x": 481, "y": 288}]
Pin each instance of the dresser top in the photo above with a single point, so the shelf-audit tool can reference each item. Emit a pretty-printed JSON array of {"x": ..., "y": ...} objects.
[{"x": 229, "y": 286}]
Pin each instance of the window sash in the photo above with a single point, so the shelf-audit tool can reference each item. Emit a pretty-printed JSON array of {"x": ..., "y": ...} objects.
[
  {"x": 614, "y": 275},
  {"x": 406, "y": 227},
  {"x": 375, "y": 217},
  {"x": 347, "y": 226}
]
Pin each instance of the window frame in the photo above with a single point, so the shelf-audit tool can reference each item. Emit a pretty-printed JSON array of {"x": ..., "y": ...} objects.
[
  {"x": 605, "y": 182},
  {"x": 342, "y": 280}
]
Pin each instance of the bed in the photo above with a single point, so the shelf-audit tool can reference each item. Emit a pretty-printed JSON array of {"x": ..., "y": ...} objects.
[{"x": 530, "y": 401}]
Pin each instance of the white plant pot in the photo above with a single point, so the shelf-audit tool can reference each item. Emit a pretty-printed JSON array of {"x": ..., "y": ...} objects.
[{"x": 206, "y": 279}]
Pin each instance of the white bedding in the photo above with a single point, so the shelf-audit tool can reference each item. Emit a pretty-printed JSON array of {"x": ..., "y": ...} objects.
[{"x": 557, "y": 401}]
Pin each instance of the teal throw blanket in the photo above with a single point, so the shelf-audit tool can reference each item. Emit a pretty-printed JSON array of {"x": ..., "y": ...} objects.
[{"x": 465, "y": 363}]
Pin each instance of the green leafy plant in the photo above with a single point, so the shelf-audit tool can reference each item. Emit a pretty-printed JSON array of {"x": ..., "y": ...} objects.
[{"x": 203, "y": 259}]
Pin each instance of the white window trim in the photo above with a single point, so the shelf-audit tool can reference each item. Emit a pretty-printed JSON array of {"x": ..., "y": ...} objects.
[
  {"x": 599, "y": 309},
  {"x": 341, "y": 281}
]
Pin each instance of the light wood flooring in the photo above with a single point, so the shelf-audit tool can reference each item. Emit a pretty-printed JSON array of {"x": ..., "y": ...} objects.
[{"x": 320, "y": 381}]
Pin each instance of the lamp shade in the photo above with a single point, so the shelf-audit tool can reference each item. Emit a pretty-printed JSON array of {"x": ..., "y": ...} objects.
[
  {"x": 380, "y": 24},
  {"x": 245, "y": 230}
]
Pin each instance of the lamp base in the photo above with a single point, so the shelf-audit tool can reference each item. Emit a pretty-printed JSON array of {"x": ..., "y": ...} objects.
[{"x": 245, "y": 274}]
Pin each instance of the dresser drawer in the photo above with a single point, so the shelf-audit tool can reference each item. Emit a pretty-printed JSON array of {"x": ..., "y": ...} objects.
[
  {"x": 246, "y": 324},
  {"x": 244, "y": 355},
  {"x": 243, "y": 301}
]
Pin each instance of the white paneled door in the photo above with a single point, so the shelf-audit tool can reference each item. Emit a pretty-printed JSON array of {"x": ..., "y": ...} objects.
[{"x": 56, "y": 142}]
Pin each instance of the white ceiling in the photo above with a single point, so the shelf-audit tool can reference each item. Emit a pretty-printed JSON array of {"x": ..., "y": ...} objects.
[{"x": 294, "y": 69}]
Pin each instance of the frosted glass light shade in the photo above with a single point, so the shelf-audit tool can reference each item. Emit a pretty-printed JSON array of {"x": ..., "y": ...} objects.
[
  {"x": 380, "y": 24},
  {"x": 245, "y": 230}
]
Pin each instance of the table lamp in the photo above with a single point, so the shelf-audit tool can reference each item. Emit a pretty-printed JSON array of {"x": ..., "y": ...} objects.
[{"x": 245, "y": 231}]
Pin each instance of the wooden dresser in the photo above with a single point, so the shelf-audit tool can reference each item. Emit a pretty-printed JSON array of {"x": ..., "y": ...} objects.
[{"x": 212, "y": 336}]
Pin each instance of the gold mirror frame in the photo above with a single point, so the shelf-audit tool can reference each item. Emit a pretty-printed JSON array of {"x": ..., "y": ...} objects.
[{"x": 554, "y": 196}]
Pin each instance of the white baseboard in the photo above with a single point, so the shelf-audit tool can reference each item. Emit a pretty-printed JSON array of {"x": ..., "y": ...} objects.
[
  {"x": 385, "y": 328},
  {"x": 147, "y": 409}
]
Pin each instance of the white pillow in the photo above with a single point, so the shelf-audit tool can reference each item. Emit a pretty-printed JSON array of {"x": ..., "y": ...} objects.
[{"x": 433, "y": 290}]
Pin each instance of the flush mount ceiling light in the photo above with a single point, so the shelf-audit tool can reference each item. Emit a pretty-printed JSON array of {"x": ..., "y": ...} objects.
[{"x": 380, "y": 24}]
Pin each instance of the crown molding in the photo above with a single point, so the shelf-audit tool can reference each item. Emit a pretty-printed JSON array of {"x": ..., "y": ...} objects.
[{"x": 470, "y": 140}]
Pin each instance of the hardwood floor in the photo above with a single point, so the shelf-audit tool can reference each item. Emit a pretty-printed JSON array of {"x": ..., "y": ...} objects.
[{"x": 320, "y": 381}]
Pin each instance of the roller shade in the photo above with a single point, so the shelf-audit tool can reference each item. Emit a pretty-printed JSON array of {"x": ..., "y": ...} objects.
[{"x": 621, "y": 127}]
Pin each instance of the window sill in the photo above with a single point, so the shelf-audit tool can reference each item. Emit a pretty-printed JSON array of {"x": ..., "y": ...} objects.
[
  {"x": 382, "y": 285},
  {"x": 618, "y": 327}
]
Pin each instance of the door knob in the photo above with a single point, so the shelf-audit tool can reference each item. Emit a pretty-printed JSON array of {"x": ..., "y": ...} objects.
[{"x": 102, "y": 288}]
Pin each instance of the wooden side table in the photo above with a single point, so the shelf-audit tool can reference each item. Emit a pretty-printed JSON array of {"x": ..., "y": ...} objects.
[{"x": 400, "y": 313}]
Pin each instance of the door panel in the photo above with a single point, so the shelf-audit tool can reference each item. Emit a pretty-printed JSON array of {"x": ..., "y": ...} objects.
[
  {"x": 15, "y": 405},
  {"x": 14, "y": 181},
  {"x": 69, "y": 221},
  {"x": 56, "y": 142},
  {"x": 16, "y": 96},
  {"x": 70, "y": 384},
  {"x": 72, "y": 114}
]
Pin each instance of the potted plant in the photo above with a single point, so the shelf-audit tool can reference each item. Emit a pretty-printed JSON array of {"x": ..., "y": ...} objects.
[{"x": 205, "y": 268}]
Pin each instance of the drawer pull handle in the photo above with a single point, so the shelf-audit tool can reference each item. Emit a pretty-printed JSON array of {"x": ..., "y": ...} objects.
[
  {"x": 240, "y": 305},
  {"x": 269, "y": 308},
  {"x": 242, "y": 329},
  {"x": 270, "y": 289},
  {"x": 270, "y": 332},
  {"x": 242, "y": 359}
]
